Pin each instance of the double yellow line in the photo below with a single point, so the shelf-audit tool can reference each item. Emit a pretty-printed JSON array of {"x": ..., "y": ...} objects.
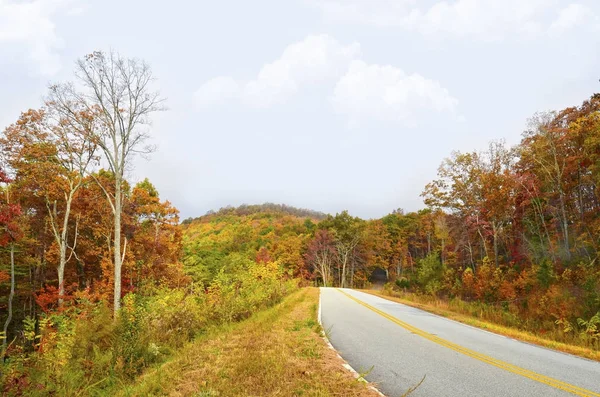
[{"x": 576, "y": 390}]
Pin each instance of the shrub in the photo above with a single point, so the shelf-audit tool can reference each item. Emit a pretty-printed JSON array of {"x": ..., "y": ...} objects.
[
  {"x": 431, "y": 273},
  {"x": 403, "y": 282},
  {"x": 173, "y": 317}
]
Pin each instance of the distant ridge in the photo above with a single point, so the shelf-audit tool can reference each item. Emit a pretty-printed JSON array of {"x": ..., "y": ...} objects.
[{"x": 248, "y": 209}]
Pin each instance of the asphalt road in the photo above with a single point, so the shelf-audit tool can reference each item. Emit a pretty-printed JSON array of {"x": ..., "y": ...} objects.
[{"x": 403, "y": 344}]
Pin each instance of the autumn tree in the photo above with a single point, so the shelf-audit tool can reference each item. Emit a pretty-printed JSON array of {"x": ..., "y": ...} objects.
[
  {"x": 118, "y": 91},
  {"x": 348, "y": 232},
  {"x": 479, "y": 189},
  {"x": 458, "y": 190},
  {"x": 50, "y": 160},
  {"x": 320, "y": 254},
  {"x": 155, "y": 239},
  {"x": 545, "y": 151},
  {"x": 10, "y": 232}
]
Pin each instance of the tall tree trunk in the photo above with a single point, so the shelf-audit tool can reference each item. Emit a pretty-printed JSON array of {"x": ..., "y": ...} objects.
[
  {"x": 63, "y": 248},
  {"x": 495, "y": 231},
  {"x": 61, "y": 273},
  {"x": 343, "y": 276},
  {"x": 428, "y": 243},
  {"x": 471, "y": 255},
  {"x": 117, "y": 243},
  {"x": 10, "y": 297},
  {"x": 485, "y": 249},
  {"x": 564, "y": 224}
]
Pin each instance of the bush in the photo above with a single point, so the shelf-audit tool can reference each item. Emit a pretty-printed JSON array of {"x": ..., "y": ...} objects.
[
  {"x": 431, "y": 273},
  {"x": 174, "y": 317},
  {"x": 235, "y": 296},
  {"x": 403, "y": 283}
]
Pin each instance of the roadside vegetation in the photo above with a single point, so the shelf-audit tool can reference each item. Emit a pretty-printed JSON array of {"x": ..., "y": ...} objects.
[
  {"x": 477, "y": 315},
  {"x": 278, "y": 351}
]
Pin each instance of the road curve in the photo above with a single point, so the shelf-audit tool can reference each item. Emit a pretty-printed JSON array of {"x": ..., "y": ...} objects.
[{"x": 403, "y": 344}]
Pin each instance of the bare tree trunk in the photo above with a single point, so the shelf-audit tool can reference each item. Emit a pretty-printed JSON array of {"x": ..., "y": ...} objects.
[
  {"x": 324, "y": 274},
  {"x": 117, "y": 243},
  {"x": 495, "y": 231},
  {"x": 564, "y": 224},
  {"x": 483, "y": 242},
  {"x": 428, "y": 243},
  {"x": 471, "y": 254},
  {"x": 10, "y": 297},
  {"x": 62, "y": 243},
  {"x": 343, "y": 275}
]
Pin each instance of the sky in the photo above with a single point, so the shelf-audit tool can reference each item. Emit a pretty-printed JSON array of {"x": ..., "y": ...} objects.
[{"x": 320, "y": 104}]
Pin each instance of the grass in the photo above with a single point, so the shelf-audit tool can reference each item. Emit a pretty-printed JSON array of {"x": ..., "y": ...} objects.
[
  {"x": 277, "y": 352},
  {"x": 443, "y": 308}
]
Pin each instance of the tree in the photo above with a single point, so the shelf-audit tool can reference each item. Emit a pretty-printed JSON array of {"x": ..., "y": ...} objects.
[
  {"x": 9, "y": 234},
  {"x": 544, "y": 152},
  {"x": 51, "y": 160},
  {"x": 459, "y": 191},
  {"x": 156, "y": 238},
  {"x": 348, "y": 233},
  {"x": 498, "y": 192},
  {"x": 321, "y": 255},
  {"x": 480, "y": 189},
  {"x": 118, "y": 91}
]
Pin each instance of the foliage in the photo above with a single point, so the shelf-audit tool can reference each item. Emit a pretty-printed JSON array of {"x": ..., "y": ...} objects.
[{"x": 430, "y": 273}]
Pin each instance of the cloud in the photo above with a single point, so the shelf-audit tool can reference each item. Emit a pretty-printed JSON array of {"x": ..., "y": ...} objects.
[
  {"x": 478, "y": 19},
  {"x": 315, "y": 59},
  {"x": 572, "y": 16},
  {"x": 386, "y": 93},
  {"x": 362, "y": 91},
  {"x": 30, "y": 25}
]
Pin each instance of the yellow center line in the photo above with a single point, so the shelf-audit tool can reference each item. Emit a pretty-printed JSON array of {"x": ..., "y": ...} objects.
[{"x": 579, "y": 391}]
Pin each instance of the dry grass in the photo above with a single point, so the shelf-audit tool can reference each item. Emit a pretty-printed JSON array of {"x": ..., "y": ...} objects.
[
  {"x": 442, "y": 308},
  {"x": 277, "y": 352}
]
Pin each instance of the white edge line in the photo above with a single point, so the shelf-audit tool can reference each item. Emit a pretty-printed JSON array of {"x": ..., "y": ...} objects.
[{"x": 345, "y": 363}]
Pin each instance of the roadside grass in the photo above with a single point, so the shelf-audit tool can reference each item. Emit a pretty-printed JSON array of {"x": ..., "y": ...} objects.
[
  {"x": 276, "y": 352},
  {"x": 463, "y": 314}
]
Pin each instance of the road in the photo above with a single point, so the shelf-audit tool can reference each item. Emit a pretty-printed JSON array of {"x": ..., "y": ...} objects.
[{"x": 403, "y": 344}]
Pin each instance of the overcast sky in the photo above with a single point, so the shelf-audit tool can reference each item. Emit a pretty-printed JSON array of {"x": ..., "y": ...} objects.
[{"x": 322, "y": 104}]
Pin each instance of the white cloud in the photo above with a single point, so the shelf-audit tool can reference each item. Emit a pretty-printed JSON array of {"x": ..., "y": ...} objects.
[
  {"x": 572, "y": 16},
  {"x": 312, "y": 60},
  {"x": 386, "y": 93},
  {"x": 30, "y": 26},
  {"x": 478, "y": 19},
  {"x": 363, "y": 91}
]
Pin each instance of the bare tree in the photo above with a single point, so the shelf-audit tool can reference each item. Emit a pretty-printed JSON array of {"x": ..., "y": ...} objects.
[
  {"x": 345, "y": 250},
  {"x": 543, "y": 148},
  {"x": 118, "y": 92},
  {"x": 320, "y": 254}
]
